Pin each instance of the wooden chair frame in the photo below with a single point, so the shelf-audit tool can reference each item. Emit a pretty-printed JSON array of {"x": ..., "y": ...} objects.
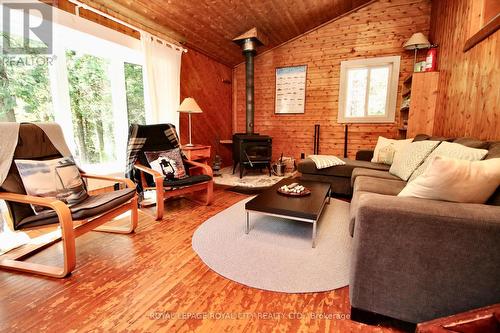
[
  {"x": 70, "y": 230},
  {"x": 162, "y": 194}
]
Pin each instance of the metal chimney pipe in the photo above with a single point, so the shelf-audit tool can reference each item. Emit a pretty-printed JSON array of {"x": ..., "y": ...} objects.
[
  {"x": 249, "y": 49},
  {"x": 249, "y": 42}
]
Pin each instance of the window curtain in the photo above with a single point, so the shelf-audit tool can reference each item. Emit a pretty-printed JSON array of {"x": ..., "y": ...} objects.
[{"x": 162, "y": 70}]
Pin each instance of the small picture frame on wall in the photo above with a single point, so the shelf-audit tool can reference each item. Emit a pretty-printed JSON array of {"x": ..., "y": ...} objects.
[{"x": 290, "y": 93}]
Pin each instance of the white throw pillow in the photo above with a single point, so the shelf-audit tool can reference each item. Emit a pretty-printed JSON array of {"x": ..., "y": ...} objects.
[
  {"x": 409, "y": 159},
  {"x": 451, "y": 150},
  {"x": 386, "y": 148},
  {"x": 456, "y": 180},
  {"x": 326, "y": 161}
]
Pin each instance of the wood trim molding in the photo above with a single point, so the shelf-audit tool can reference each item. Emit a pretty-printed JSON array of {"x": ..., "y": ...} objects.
[{"x": 484, "y": 33}]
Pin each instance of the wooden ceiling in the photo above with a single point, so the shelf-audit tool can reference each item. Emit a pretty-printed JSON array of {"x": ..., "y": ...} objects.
[{"x": 210, "y": 25}]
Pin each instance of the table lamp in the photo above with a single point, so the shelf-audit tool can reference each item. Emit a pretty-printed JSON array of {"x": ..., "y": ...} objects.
[
  {"x": 189, "y": 106},
  {"x": 416, "y": 42}
]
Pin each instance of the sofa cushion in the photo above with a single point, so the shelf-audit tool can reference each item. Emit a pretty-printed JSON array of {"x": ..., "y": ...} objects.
[
  {"x": 495, "y": 198},
  {"x": 386, "y": 148},
  {"x": 451, "y": 150},
  {"x": 378, "y": 185},
  {"x": 94, "y": 205},
  {"x": 473, "y": 143},
  {"x": 308, "y": 166},
  {"x": 421, "y": 137},
  {"x": 493, "y": 150},
  {"x": 326, "y": 161},
  {"x": 191, "y": 180},
  {"x": 364, "y": 155},
  {"x": 456, "y": 180},
  {"x": 372, "y": 173},
  {"x": 366, "y": 184},
  {"x": 339, "y": 185},
  {"x": 408, "y": 160}
]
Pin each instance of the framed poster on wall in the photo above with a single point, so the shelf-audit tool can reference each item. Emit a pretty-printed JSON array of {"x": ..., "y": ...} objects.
[{"x": 290, "y": 95}]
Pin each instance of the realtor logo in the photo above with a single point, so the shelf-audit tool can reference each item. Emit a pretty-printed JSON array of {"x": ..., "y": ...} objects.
[{"x": 26, "y": 27}]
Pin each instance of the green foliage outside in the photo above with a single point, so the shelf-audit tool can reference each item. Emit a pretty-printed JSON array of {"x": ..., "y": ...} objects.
[
  {"x": 135, "y": 94},
  {"x": 91, "y": 107},
  {"x": 24, "y": 88}
]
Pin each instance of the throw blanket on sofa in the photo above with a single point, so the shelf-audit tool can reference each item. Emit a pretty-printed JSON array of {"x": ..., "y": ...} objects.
[
  {"x": 9, "y": 136},
  {"x": 326, "y": 161}
]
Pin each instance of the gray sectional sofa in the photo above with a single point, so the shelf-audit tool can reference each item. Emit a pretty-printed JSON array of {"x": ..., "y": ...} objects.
[{"x": 416, "y": 259}]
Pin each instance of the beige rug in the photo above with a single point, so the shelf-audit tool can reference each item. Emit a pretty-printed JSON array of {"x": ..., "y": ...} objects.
[
  {"x": 251, "y": 178},
  {"x": 277, "y": 255}
]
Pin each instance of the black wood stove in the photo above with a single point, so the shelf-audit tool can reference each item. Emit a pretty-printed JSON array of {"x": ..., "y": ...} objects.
[{"x": 251, "y": 150}]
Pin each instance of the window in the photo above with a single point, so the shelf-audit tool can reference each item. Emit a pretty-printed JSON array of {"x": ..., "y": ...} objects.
[
  {"x": 368, "y": 90},
  {"x": 91, "y": 85},
  {"x": 25, "y": 87},
  {"x": 91, "y": 107}
]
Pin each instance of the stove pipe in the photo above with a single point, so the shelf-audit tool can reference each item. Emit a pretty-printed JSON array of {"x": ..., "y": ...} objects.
[
  {"x": 249, "y": 50},
  {"x": 249, "y": 41}
]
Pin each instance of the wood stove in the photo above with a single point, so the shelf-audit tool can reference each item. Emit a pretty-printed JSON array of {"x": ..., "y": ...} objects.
[{"x": 251, "y": 149}]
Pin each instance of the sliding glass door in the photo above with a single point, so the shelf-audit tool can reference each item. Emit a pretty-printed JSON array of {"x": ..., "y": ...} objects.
[{"x": 91, "y": 86}]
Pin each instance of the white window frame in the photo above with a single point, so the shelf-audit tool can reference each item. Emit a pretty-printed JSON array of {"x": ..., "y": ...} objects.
[{"x": 392, "y": 91}]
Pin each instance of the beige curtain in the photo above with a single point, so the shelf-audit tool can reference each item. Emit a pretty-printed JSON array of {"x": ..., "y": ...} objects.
[{"x": 162, "y": 70}]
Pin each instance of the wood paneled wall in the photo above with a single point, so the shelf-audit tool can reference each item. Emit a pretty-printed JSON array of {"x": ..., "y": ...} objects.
[
  {"x": 469, "y": 87},
  {"x": 378, "y": 29},
  {"x": 209, "y": 83}
]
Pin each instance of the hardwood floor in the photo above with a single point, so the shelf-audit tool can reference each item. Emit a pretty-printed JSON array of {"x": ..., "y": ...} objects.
[{"x": 152, "y": 281}]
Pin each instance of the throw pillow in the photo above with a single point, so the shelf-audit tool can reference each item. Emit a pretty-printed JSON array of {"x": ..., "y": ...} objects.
[
  {"x": 409, "y": 159},
  {"x": 456, "y": 180},
  {"x": 386, "y": 148},
  {"x": 168, "y": 163},
  {"x": 58, "y": 178},
  {"x": 326, "y": 161},
  {"x": 452, "y": 150}
]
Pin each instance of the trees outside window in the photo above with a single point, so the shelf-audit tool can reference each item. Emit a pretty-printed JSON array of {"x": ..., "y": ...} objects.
[
  {"x": 25, "y": 87},
  {"x": 135, "y": 94},
  {"x": 91, "y": 107}
]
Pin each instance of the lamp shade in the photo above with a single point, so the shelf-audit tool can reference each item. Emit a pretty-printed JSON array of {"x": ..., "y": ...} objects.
[
  {"x": 189, "y": 105},
  {"x": 417, "y": 41}
]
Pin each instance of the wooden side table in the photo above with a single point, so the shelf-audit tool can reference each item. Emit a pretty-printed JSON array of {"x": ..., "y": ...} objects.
[{"x": 197, "y": 153}]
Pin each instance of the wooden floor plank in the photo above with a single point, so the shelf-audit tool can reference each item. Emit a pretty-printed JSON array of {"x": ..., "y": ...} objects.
[{"x": 134, "y": 282}]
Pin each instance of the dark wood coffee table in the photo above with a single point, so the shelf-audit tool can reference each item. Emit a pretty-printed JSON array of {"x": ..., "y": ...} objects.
[{"x": 306, "y": 209}]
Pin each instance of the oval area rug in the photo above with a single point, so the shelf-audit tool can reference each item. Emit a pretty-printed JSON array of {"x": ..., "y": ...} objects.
[{"x": 277, "y": 255}]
